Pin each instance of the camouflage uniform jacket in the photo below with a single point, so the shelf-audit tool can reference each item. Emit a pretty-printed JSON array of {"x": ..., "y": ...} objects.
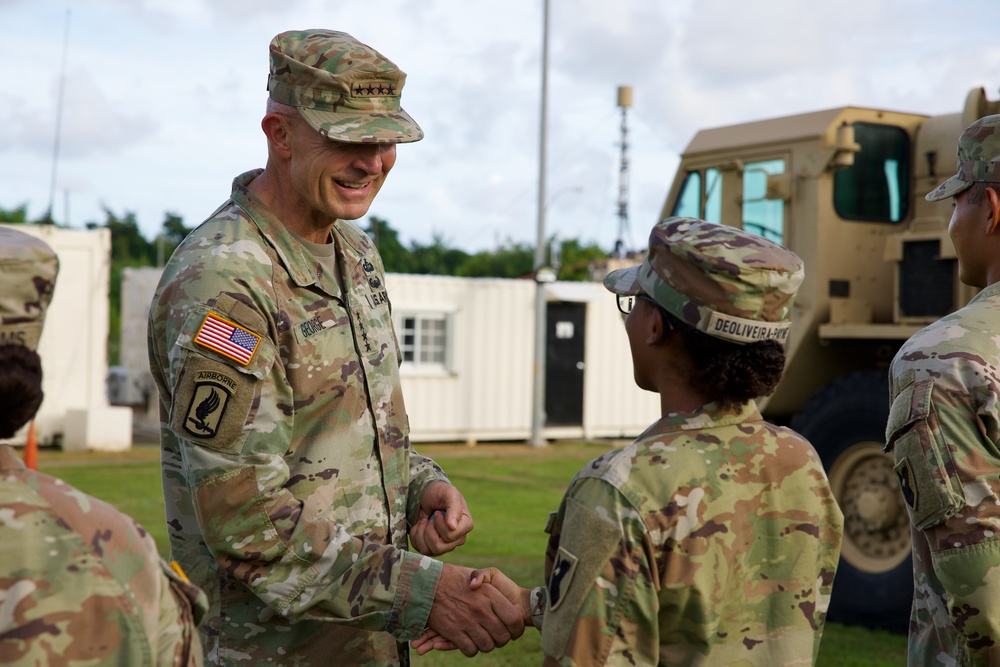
[
  {"x": 944, "y": 433},
  {"x": 713, "y": 539},
  {"x": 287, "y": 467},
  {"x": 82, "y": 584}
]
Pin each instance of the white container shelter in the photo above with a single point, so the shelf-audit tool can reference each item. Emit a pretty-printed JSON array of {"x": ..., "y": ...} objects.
[
  {"x": 468, "y": 350},
  {"x": 75, "y": 411}
]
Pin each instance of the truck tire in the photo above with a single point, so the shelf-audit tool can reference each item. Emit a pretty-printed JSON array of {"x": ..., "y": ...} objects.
[{"x": 845, "y": 421}]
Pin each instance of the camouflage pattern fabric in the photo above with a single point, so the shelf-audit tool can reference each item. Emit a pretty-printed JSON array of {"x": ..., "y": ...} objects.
[
  {"x": 287, "y": 468},
  {"x": 28, "y": 270},
  {"x": 943, "y": 430},
  {"x": 345, "y": 90},
  {"x": 723, "y": 281},
  {"x": 978, "y": 159},
  {"x": 713, "y": 539},
  {"x": 82, "y": 584}
]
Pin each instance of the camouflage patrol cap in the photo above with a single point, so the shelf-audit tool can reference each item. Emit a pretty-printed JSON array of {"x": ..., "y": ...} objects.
[
  {"x": 723, "y": 281},
  {"x": 345, "y": 90},
  {"x": 28, "y": 269},
  {"x": 978, "y": 159}
]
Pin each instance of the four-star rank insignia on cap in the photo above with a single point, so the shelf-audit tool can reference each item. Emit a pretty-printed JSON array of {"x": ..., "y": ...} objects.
[{"x": 227, "y": 338}]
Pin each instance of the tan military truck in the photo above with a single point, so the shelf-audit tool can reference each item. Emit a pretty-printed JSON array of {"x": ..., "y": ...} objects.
[{"x": 844, "y": 188}]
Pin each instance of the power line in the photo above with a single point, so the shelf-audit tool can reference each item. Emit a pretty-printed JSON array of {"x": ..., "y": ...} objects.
[{"x": 59, "y": 109}]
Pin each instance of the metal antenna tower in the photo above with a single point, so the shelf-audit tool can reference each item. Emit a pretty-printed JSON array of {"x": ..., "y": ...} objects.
[{"x": 624, "y": 102}]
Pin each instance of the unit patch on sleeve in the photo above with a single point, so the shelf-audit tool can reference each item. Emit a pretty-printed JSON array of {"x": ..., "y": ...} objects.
[
  {"x": 561, "y": 577},
  {"x": 907, "y": 485},
  {"x": 227, "y": 338},
  {"x": 212, "y": 391}
]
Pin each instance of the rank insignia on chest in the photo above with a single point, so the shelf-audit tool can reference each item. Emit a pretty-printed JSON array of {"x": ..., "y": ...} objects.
[{"x": 227, "y": 338}]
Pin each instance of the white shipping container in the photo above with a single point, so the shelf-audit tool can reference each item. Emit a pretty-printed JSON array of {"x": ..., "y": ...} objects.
[
  {"x": 468, "y": 350},
  {"x": 75, "y": 411}
]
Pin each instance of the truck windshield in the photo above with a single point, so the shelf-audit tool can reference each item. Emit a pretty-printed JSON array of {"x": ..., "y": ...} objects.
[{"x": 876, "y": 187}]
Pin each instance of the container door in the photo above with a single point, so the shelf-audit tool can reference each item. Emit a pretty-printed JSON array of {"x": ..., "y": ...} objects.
[{"x": 564, "y": 364}]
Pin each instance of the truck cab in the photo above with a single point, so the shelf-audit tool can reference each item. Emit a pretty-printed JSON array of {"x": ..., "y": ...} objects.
[{"x": 844, "y": 189}]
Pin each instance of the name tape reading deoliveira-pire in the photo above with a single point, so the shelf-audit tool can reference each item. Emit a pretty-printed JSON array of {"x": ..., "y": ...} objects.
[{"x": 747, "y": 331}]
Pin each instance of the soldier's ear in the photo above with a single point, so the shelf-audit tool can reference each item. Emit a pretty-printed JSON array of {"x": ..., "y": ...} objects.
[
  {"x": 278, "y": 130},
  {"x": 993, "y": 209}
]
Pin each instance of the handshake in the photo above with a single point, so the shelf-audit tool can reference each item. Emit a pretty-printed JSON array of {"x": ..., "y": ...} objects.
[{"x": 473, "y": 611}]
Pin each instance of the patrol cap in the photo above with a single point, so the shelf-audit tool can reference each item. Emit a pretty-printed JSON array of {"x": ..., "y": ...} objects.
[
  {"x": 28, "y": 269},
  {"x": 723, "y": 281},
  {"x": 978, "y": 159},
  {"x": 345, "y": 90}
]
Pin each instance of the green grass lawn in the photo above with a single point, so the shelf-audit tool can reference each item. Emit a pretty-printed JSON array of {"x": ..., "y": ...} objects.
[{"x": 510, "y": 490}]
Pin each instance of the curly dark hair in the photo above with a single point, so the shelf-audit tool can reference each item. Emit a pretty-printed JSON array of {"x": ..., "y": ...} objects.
[
  {"x": 730, "y": 373},
  {"x": 20, "y": 387}
]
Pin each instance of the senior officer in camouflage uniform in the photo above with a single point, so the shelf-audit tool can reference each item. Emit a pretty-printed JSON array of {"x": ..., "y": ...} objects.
[
  {"x": 80, "y": 582},
  {"x": 291, "y": 486},
  {"x": 944, "y": 431},
  {"x": 713, "y": 539}
]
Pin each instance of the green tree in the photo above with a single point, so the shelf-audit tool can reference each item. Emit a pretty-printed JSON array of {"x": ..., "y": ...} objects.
[
  {"x": 172, "y": 232},
  {"x": 396, "y": 258},
  {"x": 436, "y": 258},
  {"x": 14, "y": 215},
  {"x": 510, "y": 260},
  {"x": 575, "y": 258},
  {"x": 127, "y": 242},
  {"x": 19, "y": 215},
  {"x": 129, "y": 248}
]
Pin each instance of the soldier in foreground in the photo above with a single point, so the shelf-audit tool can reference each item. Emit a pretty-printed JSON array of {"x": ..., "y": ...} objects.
[
  {"x": 80, "y": 582},
  {"x": 944, "y": 430},
  {"x": 713, "y": 539},
  {"x": 291, "y": 486}
]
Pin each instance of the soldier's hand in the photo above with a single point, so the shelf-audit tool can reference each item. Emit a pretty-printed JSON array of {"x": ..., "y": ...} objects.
[
  {"x": 491, "y": 576},
  {"x": 431, "y": 640},
  {"x": 442, "y": 522},
  {"x": 471, "y": 620}
]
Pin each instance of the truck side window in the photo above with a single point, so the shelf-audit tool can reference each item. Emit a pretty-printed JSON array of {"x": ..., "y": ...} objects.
[
  {"x": 763, "y": 216},
  {"x": 689, "y": 203},
  {"x": 693, "y": 203},
  {"x": 876, "y": 187},
  {"x": 713, "y": 195}
]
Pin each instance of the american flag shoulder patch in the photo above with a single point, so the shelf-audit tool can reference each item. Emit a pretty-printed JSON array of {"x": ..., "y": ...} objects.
[{"x": 227, "y": 338}]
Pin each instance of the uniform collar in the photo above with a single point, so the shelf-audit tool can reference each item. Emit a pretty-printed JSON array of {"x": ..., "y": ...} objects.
[
  {"x": 297, "y": 260},
  {"x": 707, "y": 416},
  {"x": 10, "y": 461}
]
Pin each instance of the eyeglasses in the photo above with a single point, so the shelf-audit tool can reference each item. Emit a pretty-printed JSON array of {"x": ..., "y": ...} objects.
[{"x": 626, "y": 303}]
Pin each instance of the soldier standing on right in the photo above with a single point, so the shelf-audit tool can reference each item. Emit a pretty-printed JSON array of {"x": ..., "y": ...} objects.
[{"x": 944, "y": 430}]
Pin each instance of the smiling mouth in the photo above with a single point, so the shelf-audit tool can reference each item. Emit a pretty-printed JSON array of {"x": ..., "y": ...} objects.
[{"x": 352, "y": 185}]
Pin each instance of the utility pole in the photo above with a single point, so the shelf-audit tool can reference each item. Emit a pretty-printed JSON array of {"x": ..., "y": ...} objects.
[
  {"x": 624, "y": 102},
  {"x": 59, "y": 108},
  {"x": 538, "y": 390}
]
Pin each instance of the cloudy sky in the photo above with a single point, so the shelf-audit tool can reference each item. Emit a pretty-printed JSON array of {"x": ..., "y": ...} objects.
[{"x": 163, "y": 98}]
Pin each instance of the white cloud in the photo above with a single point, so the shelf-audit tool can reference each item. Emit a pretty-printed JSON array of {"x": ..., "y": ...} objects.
[{"x": 165, "y": 96}]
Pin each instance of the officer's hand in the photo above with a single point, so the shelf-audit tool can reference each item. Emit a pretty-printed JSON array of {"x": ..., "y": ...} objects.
[
  {"x": 520, "y": 597},
  {"x": 470, "y": 620},
  {"x": 432, "y": 640},
  {"x": 442, "y": 522}
]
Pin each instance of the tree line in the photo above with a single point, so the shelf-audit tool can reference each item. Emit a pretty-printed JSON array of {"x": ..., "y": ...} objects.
[{"x": 510, "y": 259}]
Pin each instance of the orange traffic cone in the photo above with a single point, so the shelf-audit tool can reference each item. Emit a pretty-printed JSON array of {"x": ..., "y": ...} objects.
[{"x": 31, "y": 448}]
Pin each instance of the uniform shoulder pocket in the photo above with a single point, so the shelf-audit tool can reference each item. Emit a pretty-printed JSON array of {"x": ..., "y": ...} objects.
[{"x": 922, "y": 461}]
